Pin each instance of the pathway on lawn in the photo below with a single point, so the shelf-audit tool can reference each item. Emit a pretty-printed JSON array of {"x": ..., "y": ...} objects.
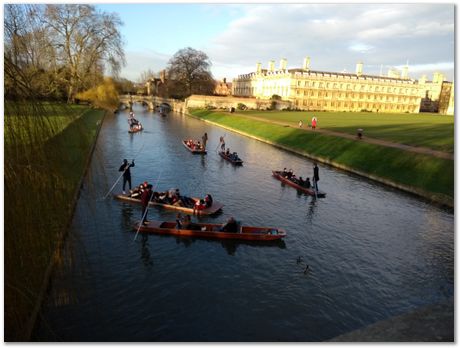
[{"x": 422, "y": 150}]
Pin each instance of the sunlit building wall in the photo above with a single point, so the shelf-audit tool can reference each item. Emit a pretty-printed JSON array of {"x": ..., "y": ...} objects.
[{"x": 331, "y": 91}]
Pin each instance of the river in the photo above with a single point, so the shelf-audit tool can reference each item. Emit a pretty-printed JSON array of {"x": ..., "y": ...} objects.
[{"x": 372, "y": 251}]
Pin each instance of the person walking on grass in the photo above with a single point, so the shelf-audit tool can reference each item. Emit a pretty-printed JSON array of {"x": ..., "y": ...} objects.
[
  {"x": 314, "y": 120},
  {"x": 126, "y": 173}
]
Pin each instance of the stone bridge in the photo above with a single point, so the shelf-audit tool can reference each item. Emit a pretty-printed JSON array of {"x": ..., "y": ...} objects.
[{"x": 150, "y": 102}]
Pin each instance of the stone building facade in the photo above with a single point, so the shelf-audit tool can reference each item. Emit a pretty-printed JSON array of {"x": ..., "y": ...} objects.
[{"x": 308, "y": 89}]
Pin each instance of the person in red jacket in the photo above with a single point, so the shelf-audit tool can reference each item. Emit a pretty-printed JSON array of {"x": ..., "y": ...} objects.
[{"x": 146, "y": 196}]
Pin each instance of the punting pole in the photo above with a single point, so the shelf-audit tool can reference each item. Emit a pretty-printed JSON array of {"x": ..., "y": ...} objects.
[
  {"x": 147, "y": 208},
  {"x": 220, "y": 142}
]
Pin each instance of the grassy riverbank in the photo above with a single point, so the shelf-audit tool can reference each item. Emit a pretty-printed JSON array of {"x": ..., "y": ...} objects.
[
  {"x": 44, "y": 161},
  {"x": 434, "y": 131},
  {"x": 426, "y": 175}
]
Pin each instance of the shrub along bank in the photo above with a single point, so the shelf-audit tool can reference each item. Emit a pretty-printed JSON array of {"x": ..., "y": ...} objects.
[
  {"x": 42, "y": 177},
  {"x": 425, "y": 175}
]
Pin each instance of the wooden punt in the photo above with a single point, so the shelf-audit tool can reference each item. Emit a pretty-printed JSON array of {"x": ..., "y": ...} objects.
[
  {"x": 136, "y": 129},
  {"x": 203, "y": 152},
  {"x": 212, "y": 231},
  {"x": 224, "y": 156},
  {"x": 308, "y": 191},
  {"x": 213, "y": 209}
]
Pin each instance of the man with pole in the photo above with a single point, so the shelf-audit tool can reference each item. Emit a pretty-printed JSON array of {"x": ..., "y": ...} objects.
[
  {"x": 145, "y": 199},
  {"x": 126, "y": 173},
  {"x": 316, "y": 176}
]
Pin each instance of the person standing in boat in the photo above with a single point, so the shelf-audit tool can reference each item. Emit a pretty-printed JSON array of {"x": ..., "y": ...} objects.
[
  {"x": 222, "y": 143},
  {"x": 126, "y": 173},
  {"x": 204, "y": 138},
  {"x": 145, "y": 198},
  {"x": 315, "y": 177}
]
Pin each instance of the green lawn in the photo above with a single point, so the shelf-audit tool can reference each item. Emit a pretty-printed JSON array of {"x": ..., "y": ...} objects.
[
  {"x": 31, "y": 124},
  {"x": 432, "y": 176},
  {"x": 428, "y": 130}
]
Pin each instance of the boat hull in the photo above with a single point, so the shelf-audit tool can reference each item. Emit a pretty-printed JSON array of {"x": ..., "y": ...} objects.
[
  {"x": 213, "y": 209},
  {"x": 224, "y": 156},
  {"x": 195, "y": 152},
  {"x": 308, "y": 191},
  {"x": 212, "y": 231}
]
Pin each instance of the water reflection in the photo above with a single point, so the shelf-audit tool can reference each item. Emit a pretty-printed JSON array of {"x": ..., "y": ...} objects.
[{"x": 145, "y": 251}]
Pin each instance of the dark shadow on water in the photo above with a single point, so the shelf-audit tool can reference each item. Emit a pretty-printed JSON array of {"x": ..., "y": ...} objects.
[
  {"x": 145, "y": 251},
  {"x": 229, "y": 245}
]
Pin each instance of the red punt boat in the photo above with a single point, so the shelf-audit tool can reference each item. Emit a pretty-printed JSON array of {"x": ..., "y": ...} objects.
[
  {"x": 194, "y": 151},
  {"x": 238, "y": 162},
  {"x": 308, "y": 191},
  {"x": 212, "y": 231},
  {"x": 213, "y": 209}
]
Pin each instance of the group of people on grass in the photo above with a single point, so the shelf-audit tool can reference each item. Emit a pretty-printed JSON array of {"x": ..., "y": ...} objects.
[
  {"x": 314, "y": 122},
  {"x": 289, "y": 174}
]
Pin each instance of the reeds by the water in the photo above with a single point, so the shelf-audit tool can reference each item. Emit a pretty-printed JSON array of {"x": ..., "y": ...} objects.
[{"x": 45, "y": 148}]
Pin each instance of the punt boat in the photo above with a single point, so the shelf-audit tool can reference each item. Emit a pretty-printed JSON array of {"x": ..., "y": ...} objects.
[{"x": 308, "y": 191}]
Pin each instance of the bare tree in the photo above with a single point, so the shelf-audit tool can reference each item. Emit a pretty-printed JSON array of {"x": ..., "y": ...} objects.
[
  {"x": 189, "y": 72},
  {"x": 86, "y": 41}
]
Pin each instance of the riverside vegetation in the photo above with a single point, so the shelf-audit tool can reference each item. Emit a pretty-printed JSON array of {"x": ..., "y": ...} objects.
[
  {"x": 46, "y": 151},
  {"x": 423, "y": 174}
]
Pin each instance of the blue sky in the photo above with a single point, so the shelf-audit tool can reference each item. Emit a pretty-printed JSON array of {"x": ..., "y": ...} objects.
[{"x": 335, "y": 36}]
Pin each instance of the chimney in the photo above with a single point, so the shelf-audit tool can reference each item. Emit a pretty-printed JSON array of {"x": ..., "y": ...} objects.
[
  {"x": 271, "y": 65},
  {"x": 306, "y": 63},
  {"x": 258, "y": 68},
  {"x": 225, "y": 80},
  {"x": 359, "y": 68},
  {"x": 283, "y": 64}
]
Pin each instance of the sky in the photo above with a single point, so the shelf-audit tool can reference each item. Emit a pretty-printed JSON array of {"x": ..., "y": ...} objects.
[{"x": 237, "y": 36}]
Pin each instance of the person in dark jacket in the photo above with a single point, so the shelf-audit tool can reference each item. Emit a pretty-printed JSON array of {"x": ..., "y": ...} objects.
[
  {"x": 126, "y": 173},
  {"x": 230, "y": 226},
  {"x": 315, "y": 176}
]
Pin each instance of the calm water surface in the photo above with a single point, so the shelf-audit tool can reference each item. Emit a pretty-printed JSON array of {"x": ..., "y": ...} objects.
[{"x": 373, "y": 252}]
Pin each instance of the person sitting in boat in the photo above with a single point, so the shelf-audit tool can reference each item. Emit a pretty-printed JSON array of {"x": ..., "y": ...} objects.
[
  {"x": 307, "y": 183},
  {"x": 208, "y": 200},
  {"x": 199, "y": 205},
  {"x": 290, "y": 173},
  {"x": 284, "y": 173},
  {"x": 235, "y": 156},
  {"x": 227, "y": 152},
  {"x": 230, "y": 226},
  {"x": 301, "y": 181},
  {"x": 186, "y": 222},
  {"x": 136, "y": 192}
]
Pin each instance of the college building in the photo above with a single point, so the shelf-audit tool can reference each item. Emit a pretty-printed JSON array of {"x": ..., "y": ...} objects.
[{"x": 313, "y": 90}]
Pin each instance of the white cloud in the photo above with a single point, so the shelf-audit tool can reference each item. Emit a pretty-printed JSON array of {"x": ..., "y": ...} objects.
[{"x": 336, "y": 36}]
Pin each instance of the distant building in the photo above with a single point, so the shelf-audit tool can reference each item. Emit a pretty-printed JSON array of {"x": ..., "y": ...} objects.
[
  {"x": 308, "y": 89},
  {"x": 157, "y": 86},
  {"x": 223, "y": 88}
]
